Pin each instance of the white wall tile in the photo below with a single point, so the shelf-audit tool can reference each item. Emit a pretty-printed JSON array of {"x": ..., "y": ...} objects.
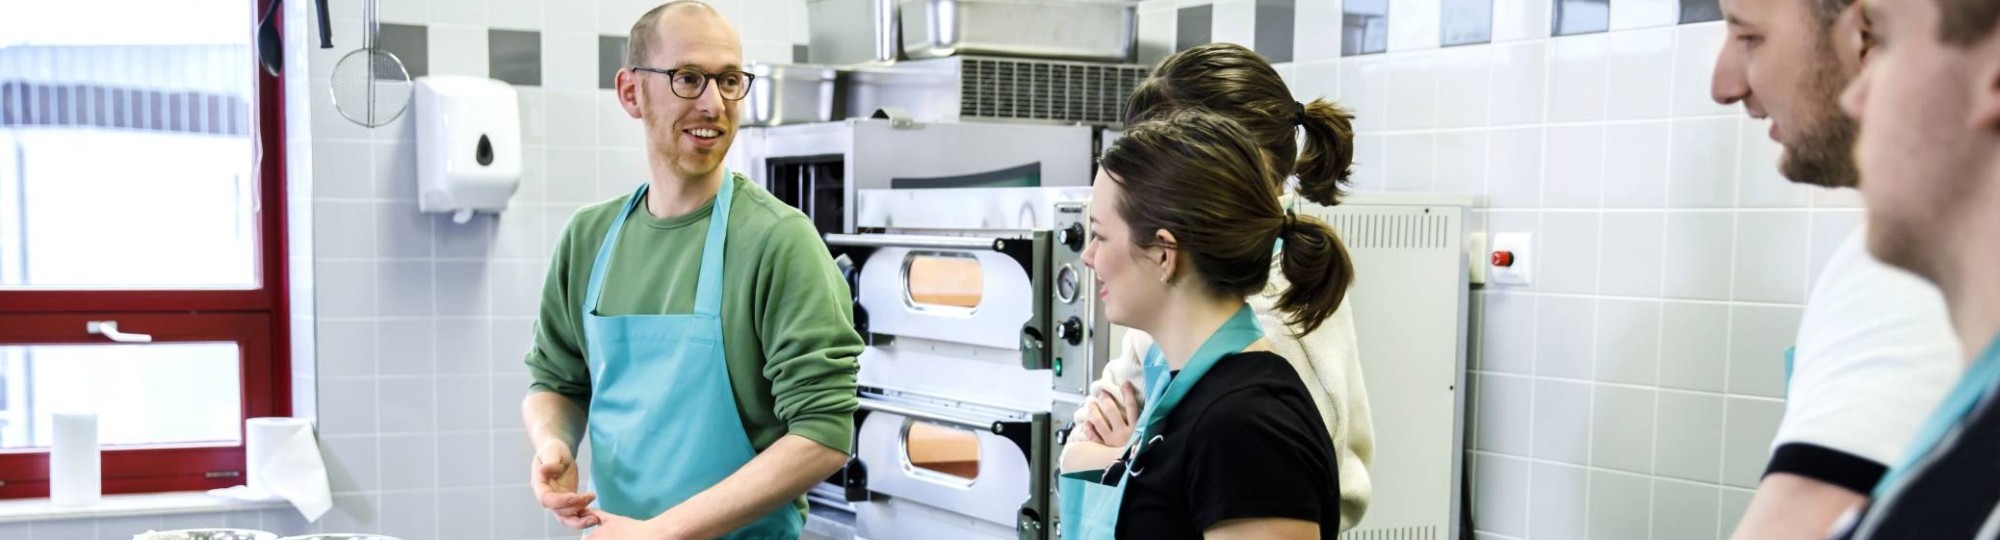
[
  {"x": 1628, "y": 14},
  {"x": 513, "y": 453},
  {"x": 410, "y": 515},
  {"x": 506, "y": 392},
  {"x": 458, "y": 50},
  {"x": 1519, "y": 82},
  {"x": 1364, "y": 89},
  {"x": 515, "y": 509},
  {"x": 467, "y": 514},
  {"x": 1156, "y": 37},
  {"x": 64, "y": 529},
  {"x": 1621, "y": 505},
  {"x": 1760, "y": 184},
  {"x": 401, "y": 231},
  {"x": 403, "y": 288},
  {"x": 1516, "y": 20},
  {"x": 569, "y": 63},
  {"x": 346, "y": 406},
  {"x": 1704, "y": 153},
  {"x": 1503, "y": 411},
  {"x": 615, "y": 127},
  {"x": 767, "y": 51},
  {"x": 1635, "y": 165},
  {"x": 1500, "y": 494},
  {"x": 353, "y": 464},
  {"x": 1836, "y": 198},
  {"x": 1575, "y": 167},
  {"x": 1558, "y": 496},
  {"x": 1316, "y": 80},
  {"x": 459, "y": 12},
  {"x": 1464, "y": 83},
  {"x": 615, "y": 17},
  {"x": 1684, "y": 511},
  {"x": 512, "y": 337},
  {"x": 1562, "y": 421},
  {"x": 511, "y": 286},
  {"x": 1514, "y": 178},
  {"x": 409, "y": 461},
  {"x": 1688, "y": 438},
  {"x": 334, "y": 172},
  {"x": 462, "y": 289},
  {"x": 463, "y": 346},
  {"x": 572, "y": 114},
  {"x": 1694, "y": 349},
  {"x": 344, "y": 229},
  {"x": 1628, "y": 341},
  {"x": 465, "y": 459},
  {"x": 345, "y": 348},
  {"x": 1746, "y": 440},
  {"x": 1621, "y": 431},
  {"x": 1370, "y": 165},
  {"x": 1235, "y": 22},
  {"x": 1461, "y": 163},
  {"x": 619, "y": 171},
  {"x": 1641, "y": 68},
  {"x": 1771, "y": 256},
  {"x": 1696, "y": 266},
  {"x": 1758, "y": 337},
  {"x": 351, "y": 512},
  {"x": 1694, "y": 68},
  {"x": 1315, "y": 29},
  {"x": 1417, "y": 25},
  {"x": 1411, "y": 161},
  {"x": 395, "y": 175},
  {"x": 122, "y": 528},
  {"x": 1507, "y": 333},
  {"x": 1829, "y": 230},
  {"x": 1413, "y": 92},
  {"x": 573, "y": 174},
  {"x": 344, "y": 288},
  {"x": 327, "y": 122},
  {"x": 403, "y": 347},
  {"x": 409, "y": 405},
  {"x": 398, "y": 12},
  {"x": 519, "y": 14},
  {"x": 1632, "y": 254},
  {"x": 1577, "y": 71},
  {"x": 1568, "y": 251}
]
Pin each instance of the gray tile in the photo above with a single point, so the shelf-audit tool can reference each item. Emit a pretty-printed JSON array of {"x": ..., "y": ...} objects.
[
  {"x": 800, "y": 53},
  {"x": 1574, "y": 17},
  {"x": 1564, "y": 330},
  {"x": 403, "y": 288},
  {"x": 512, "y": 454},
  {"x": 15, "y": 530},
  {"x": 352, "y": 464},
  {"x": 515, "y": 513},
  {"x": 1758, "y": 337},
  {"x": 462, "y": 346},
  {"x": 67, "y": 529},
  {"x": 1690, "y": 509},
  {"x": 1274, "y": 29},
  {"x": 1621, "y": 431},
  {"x": 514, "y": 56},
  {"x": 1364, "y": 27},
  {"x": 1620, "y": 505},
  {"x": 1734, "y": 503},
  {"x": 1688, "y": 444},
  {"x": 410, "y": 515},
  {"x": 1628, "y": 341},
  {"x": 1697, "y": 11},
  {"x": 1194, "y": 25},
  {"x": 610, "y": 59},
  {"x": 1503, "y": 413},
  {"x": 405, "y": 348},
  {"x": 1750, "y": 426},
  {"x": 464, "y": 402},
  {"x": 410, "y": 43},
  {"x": 1467, "y": 22},
  {"x": 1694, "y": 346},
  {"x": 1700, "y": 267},
  {"x": 123, "y": 528},
  {"x": 1568, "y": 247},
  {"x": 1500, "y": 494},
  {"x": 465, "y": 459},
  {"x": 351, "y": 513},
  {"x": 467, "y": 514},
  {"x": 1631, "y": 254},
  {"x": 347, "y": 406},
  {"x": 1556, "y": 502},
  {"x": 1562, "y": 421},
  {"x": 409, "y": 462},
  {"x": 408, "y": 405}
]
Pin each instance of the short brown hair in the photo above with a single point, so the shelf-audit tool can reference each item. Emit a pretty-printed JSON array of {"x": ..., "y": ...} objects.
[
  {"x": 1235, "y": 82},
  {"x": 639, "y": 41},
  {"x": 1966, "y": 22},
  {"x": 1200, "y": 176}
]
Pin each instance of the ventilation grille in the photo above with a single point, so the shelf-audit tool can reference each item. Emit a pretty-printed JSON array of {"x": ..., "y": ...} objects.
[
  {"x": 1041, "y": 90},
  {"x": 1400, "y": 533},
  {"x": 1392, "y": 231}
]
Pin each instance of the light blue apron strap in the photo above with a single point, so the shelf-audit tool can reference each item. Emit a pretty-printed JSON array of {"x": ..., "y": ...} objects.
[
  {"x": 708, "y": 289},
  {"x": 1791, "y": 355},
  {"x": 602, "y": 264},
  {"x": 1977, "y": 381}
]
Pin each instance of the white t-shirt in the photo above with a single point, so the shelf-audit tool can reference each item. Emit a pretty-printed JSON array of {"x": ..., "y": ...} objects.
[{"x": 1874, "y": 356}]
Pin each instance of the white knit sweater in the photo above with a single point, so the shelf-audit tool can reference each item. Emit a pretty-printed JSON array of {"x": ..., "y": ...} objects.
[{"x": 1329, "y": 362}]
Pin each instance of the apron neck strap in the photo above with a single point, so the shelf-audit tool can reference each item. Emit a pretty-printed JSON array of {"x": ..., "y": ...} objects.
[
  {"x": 1238, "y": 332},
  {"x": 708, "y": 287}
]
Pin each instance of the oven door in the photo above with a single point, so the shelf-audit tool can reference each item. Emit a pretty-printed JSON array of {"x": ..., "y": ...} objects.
[{"x": 938, "y": 465}]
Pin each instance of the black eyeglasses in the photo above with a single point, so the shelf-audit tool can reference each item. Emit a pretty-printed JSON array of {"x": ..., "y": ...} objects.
[{"x": 689, "y": 83}]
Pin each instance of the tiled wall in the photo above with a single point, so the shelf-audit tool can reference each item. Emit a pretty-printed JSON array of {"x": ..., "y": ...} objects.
[{"x": 1632, "y": 390}]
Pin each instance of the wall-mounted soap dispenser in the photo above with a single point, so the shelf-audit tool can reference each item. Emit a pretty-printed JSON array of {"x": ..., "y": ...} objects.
[{"x": 468, "y": 145}]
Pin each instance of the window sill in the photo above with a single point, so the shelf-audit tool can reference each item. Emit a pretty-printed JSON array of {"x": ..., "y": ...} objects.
[{"x": 146, "y": 504}]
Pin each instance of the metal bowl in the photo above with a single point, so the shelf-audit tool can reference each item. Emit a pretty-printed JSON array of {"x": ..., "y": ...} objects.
[
  {"x": 340, "y": 536},
  {"x": 206, "y": 534}
]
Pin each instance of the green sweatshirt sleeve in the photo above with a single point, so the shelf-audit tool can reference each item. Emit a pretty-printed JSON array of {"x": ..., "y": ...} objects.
[
  {"x": 805, "y": 322},
  {"x": 556, "y": 361}
]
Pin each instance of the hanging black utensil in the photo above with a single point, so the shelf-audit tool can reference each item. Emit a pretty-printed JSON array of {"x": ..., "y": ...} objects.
[
  {"x": 325, "y": 26},
  {"x": 270, "y": 48}
]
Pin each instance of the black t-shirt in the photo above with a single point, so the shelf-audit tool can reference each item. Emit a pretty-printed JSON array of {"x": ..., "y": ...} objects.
[{"x": 1246, "y": 442}]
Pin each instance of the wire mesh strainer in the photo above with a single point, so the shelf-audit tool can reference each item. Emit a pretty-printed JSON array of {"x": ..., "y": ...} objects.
[{"x": 370, "y": 86}]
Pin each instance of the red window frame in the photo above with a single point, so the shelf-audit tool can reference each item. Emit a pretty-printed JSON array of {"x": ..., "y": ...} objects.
[{"x": 258, "y": 320}]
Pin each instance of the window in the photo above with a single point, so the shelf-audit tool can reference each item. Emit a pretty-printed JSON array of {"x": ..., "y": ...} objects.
[
  {"x": 950, "y": 282},
  {"x": 946, "y": 453},
  {"x": 141, "y": 261}
]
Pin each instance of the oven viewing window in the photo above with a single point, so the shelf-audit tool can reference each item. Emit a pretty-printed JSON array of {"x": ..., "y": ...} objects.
[
  {"x": 950, "y": 453},
  {"x": 943, "y": 282}
]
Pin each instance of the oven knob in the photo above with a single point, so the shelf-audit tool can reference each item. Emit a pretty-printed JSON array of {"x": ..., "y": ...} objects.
[
  {"x": 1071, "y": 331},
  {"x": 1071, "y": 236}
]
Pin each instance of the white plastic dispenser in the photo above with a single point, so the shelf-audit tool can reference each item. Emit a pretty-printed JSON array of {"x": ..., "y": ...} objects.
[{"x": 468, "y": 145}]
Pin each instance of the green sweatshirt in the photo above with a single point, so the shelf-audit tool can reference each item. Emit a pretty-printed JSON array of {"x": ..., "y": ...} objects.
[{"x": 786, "y": 312}]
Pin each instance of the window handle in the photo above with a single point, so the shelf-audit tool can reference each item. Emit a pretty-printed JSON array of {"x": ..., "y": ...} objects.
[{"x": 109, "y": 329}]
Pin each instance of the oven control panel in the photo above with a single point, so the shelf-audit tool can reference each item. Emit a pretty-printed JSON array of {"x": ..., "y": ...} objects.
[{"x": 1079, "y": 348}]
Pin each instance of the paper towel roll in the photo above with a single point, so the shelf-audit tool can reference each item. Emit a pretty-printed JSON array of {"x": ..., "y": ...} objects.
[
  {"x": 75, "y": 475},
  {"x": 283, "y": 461}
]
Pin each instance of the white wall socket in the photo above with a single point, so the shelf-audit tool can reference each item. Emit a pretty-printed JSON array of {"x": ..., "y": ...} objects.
[{"x": 1520, "y": 245}]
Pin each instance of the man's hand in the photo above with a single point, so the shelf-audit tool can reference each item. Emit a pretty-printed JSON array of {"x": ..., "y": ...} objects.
[
  {"x": 615, "y": 527},
  {"x": 553, "y": 475},
  {"x": 1112, "y": 418}
]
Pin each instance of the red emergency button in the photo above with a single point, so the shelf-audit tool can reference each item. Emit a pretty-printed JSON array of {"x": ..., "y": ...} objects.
[{"x": 1503, "y": 259}]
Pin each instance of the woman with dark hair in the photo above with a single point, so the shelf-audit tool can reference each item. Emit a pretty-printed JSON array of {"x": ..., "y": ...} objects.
[
  {"x": 1185, "y": 230},
  {"x": 1232, "y": 81}
]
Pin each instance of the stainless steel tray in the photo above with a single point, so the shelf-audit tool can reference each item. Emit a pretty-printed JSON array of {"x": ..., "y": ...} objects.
[{"x": 1091, "y": 30}]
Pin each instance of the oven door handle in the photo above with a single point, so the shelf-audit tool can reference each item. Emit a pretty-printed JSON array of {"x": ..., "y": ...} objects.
[
  {"x": 978, "y": 424},
  {"x": 914, "y": 241}
]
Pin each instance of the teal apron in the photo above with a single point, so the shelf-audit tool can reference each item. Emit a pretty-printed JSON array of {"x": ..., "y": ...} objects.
[
  {"x": 1978, "y": 380},
  {"x": 1089, "y": 509},
  {"x": 663, "y": 419}
]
